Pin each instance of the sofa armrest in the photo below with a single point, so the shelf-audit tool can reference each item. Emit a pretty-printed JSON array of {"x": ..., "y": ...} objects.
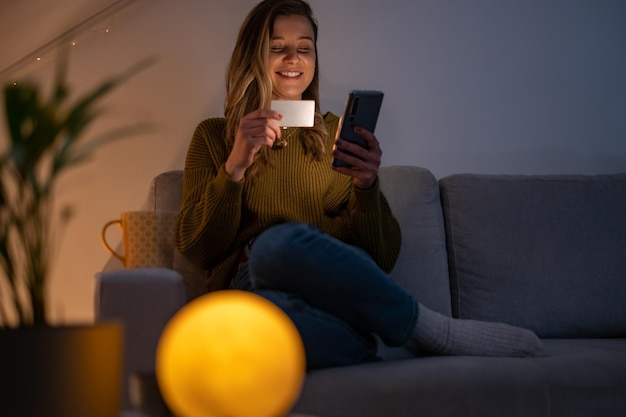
[{"x": 143, "y": 300}]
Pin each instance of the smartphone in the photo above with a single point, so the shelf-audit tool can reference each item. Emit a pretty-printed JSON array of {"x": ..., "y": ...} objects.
[{"x": 361, "y": 109}]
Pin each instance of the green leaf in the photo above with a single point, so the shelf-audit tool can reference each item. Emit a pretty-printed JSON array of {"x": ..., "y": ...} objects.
[
  {"x": 76, "y": 155},
  {"x": 45, "y": 139},
  {"x": 21, "y": 104}
]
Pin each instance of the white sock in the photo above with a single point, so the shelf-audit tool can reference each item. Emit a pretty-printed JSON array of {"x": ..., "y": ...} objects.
[{"x": 436, "y": 333}]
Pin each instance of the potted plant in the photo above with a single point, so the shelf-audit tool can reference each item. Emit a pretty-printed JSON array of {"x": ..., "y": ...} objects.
[{"x": 46, "y": 137}]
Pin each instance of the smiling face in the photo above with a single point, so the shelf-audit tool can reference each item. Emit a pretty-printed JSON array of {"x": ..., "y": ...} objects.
[{"x": 291, "y": 57}]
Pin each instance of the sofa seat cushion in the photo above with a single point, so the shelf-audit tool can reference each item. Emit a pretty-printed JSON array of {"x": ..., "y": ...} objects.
[
  {"x": 542, "y": 252},
  {"x": 434, "y": 386},
  {"x": 584, "y": 377}
]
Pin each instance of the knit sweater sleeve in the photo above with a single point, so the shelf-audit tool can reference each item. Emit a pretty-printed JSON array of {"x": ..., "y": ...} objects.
[
  {"x": 375, "y": 228},
  {"x": 210, "y": 212},
  {"x": 371, "y": 223}
]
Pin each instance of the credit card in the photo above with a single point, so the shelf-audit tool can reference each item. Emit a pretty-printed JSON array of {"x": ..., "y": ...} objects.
[{"x": 296, "y": 113}]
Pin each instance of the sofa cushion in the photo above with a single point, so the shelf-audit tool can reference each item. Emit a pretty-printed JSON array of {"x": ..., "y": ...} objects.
[
  {"x": 165, "y": 194},
  {"x": 422, "y": 269},
  {"x": 434, "y": 386},
  {"x": 577, "y": 378},
  {"x": 542, "y": 252},
  {"x": 586, "y": 377}
]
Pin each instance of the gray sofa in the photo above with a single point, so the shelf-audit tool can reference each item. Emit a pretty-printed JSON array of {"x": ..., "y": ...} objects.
[{"x": 543, "y": 252}]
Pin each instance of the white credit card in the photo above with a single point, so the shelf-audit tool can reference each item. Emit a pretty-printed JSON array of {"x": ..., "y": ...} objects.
[{"x": 296, "y": 113}]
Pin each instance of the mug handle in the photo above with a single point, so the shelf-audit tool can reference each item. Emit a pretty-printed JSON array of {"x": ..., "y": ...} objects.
[{"x": 104, "y": 240}]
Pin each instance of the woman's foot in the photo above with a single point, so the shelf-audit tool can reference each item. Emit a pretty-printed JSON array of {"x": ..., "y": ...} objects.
[{"x": 439, "y": 334}]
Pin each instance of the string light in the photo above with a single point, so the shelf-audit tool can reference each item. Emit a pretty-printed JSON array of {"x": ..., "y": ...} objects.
[
  {"x": 79, "y": 33},
  {"x": 40, "y": 59}
]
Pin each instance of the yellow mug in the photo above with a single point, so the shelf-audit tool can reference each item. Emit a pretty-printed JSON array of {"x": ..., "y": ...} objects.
[{"x": 148, "y": 238}]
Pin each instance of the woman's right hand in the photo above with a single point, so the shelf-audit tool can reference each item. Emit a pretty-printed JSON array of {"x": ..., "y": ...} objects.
[{"x": 256, "y": 129}]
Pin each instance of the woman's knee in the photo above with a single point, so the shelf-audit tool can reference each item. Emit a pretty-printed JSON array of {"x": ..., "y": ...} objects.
[
  {"x": 279, "y": 243},
  {"x": 275, "y": 254}
]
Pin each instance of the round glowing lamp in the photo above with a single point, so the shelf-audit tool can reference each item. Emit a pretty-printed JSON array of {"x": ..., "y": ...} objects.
[{"x": 230, "y": 353}]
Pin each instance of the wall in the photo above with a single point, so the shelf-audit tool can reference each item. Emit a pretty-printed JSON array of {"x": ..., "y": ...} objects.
[{"x": 523, "y": 86}]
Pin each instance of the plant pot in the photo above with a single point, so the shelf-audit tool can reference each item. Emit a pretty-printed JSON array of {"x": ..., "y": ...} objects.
[{"x": 66, "y": 371}]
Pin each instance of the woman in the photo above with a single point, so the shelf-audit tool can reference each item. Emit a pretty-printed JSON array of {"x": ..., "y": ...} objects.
[{"x": 264, "y": 210}]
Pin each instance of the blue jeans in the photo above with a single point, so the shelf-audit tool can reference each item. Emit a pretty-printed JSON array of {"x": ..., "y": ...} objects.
[{"x": 335, "y": 294}]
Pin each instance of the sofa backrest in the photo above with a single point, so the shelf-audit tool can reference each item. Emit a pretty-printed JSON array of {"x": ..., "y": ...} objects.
[
  {"x": 165, "y": 194},
  {"x": 422, "y": 268},
  {"x": 544, "y": 252},
  {"x": 413, "y": 195}
]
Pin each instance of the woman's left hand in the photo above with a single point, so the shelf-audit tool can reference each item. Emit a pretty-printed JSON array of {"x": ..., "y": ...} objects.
[{"x": 365, "y": 162}]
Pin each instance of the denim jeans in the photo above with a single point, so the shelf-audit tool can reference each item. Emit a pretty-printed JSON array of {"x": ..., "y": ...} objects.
[{"x": 336, "y": 295}]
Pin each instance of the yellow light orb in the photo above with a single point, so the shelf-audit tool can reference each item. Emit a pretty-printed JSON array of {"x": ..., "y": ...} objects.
[{"x": 230, "y": 353}]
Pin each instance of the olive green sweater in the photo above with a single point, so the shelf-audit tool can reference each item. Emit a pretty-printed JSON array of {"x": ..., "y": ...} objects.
[{"x": 219, "y": 216}]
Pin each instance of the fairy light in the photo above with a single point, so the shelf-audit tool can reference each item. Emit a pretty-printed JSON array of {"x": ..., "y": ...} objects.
[
  {"x": 77, "y": 34},
  {"x": 80, "y": 38}
]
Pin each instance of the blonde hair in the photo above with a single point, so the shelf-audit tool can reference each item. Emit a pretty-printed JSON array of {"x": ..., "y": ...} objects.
[{"x": 249, "y": 86}]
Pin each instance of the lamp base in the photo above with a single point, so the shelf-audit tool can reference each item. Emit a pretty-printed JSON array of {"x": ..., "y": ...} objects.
[
  {"x": 146, "y": 397},
  {"x": 64, "y": 371}
]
